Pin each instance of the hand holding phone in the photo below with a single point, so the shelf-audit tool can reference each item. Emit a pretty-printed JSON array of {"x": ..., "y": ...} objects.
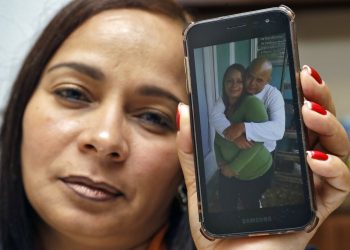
[{"x": 244, "y": 69}]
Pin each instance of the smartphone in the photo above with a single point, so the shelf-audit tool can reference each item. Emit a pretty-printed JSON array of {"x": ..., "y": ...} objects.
[{"x": 249, "y": 138}]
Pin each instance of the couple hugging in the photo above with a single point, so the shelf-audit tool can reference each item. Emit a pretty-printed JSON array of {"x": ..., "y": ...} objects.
[{"x": 248, "y": 119}]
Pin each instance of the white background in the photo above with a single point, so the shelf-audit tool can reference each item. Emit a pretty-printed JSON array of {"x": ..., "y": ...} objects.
[{"x": 20, "y": 23}]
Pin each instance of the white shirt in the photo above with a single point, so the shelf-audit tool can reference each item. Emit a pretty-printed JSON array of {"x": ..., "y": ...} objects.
[{"x": 268, "y": 132}]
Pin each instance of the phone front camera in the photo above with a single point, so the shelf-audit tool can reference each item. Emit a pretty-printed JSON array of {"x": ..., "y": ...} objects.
[{"x": 267, "y": 20}]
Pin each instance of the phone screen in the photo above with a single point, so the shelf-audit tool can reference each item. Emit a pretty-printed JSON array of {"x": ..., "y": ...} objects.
[{"x": 248, "y": 133}]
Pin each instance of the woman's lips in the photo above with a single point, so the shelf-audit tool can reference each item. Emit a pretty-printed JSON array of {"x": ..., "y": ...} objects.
[{"x": 88, "y": 189}]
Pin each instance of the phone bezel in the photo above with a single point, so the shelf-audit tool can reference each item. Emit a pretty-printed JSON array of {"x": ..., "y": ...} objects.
[{"x": 246, "y": 26}]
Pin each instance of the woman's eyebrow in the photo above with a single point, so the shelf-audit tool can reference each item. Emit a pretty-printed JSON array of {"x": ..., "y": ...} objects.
[
  {"x": 150, "y": 90},
  {"x": 82, "y": 68}
]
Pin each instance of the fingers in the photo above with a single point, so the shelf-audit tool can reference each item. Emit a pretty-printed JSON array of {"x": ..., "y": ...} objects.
[
  {"x": 185, "y": 152},
  {"x": 229, "y": 136},
  {"x": 234, "y": 131},
  {"x": 184, "y": 139},
  {"x": 332, "y": 135},
  {"x": 315, "y": 89},
  {"x": 242, "y": 143},
  {"x": 332, "y": 170}
]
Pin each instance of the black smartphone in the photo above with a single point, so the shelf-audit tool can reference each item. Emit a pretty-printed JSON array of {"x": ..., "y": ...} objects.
[{"x": 248, "y": 133}]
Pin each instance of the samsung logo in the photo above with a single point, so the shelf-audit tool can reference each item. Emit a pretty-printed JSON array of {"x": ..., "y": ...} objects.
[{"x": 257, "y": 220}]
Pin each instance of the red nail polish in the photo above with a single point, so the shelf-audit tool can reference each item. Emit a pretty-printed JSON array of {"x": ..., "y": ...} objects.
[
  {"x": 317, "y": 108},
  {"x": 314, "y": 74},
  {"x": 318, "y": 155},
  {"x": 178, "y": 119}
]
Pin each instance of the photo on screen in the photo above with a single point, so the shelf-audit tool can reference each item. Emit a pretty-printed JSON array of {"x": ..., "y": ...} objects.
[{"x": 247, "y": 119}]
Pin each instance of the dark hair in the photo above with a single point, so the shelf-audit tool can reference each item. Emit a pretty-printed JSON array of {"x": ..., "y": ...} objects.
[
  {"x": 240, "y": 68},
  {"x": 17, "y": 217}
]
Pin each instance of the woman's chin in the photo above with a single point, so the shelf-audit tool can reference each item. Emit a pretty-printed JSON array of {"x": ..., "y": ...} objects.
[
  {"x": 235, "y": 95},
  {"x": 86, "y": 226},
  {"x": 70, "y": 219}
]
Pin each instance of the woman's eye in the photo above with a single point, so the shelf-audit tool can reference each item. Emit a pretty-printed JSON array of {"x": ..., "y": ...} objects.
[
  {"x": 156, "y": 119},
  {"x": 72, "y": 95}
]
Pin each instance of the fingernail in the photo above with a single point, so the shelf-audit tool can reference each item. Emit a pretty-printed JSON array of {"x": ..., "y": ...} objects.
[
  {"x": 317, "y": 155},
  {"x": 313, "y": 73},
  {"x": 316, "y": 107},
  {"x": 178, "y": 116}
]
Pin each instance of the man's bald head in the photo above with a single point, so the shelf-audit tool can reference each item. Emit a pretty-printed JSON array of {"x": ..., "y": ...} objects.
[{"x": 259, "y": 74}]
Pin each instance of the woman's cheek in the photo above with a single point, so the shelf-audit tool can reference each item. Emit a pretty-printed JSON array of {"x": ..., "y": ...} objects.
[
  {"x": 47, "y": 132},
  {"x": 159, "y": 163},
  {"x": 45, "y": 137}
]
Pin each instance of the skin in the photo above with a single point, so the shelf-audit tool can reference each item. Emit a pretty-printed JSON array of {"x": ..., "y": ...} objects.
[
  {"x": 97, "y": 121},
  {"x": 234, "y": 86},
  {"x": 332, "y": 177},
  {"x": 259, "y": 74}
]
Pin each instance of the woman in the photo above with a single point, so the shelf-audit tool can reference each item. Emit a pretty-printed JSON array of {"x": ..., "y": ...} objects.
[
  {"x": 78, "y": 172},
  {"x": 244, "y": 173},
  {"x": 88, "y": 152}
]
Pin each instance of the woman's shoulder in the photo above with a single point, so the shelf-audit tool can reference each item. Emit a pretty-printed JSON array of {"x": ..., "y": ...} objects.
[
  {"x": 251, "y": 100},
  {"x": 252, "y": 103}
]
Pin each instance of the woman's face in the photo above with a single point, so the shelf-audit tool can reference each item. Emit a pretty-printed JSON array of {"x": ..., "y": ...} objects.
[
  {"x": 98, "y": 151},
  {"x": 234, "y": 84}
]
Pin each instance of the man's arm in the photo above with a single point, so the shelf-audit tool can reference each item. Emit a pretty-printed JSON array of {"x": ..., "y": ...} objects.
[
  {"x": 273, "y": 129},
  {"x": 218, "y": 119}
]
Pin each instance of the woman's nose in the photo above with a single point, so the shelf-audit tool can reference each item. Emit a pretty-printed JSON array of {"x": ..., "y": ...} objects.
[
  {"x": 250, "y": 81},
  {"x": 105, "y": 138}
]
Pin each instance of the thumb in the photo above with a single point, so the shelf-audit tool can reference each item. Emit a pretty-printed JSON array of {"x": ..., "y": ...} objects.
[
  {"x": 185, "y": 153},
  {"x": 184, "y": 145}
]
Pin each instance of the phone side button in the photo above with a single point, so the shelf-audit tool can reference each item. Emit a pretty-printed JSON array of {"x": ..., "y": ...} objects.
[
  {"x": 188, "y": 85},
  {"x": 200, "y": 212},
  {"x": 200, "y": 217}
]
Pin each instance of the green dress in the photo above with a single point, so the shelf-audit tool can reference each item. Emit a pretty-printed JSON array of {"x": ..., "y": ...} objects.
[{"x": 247, "y": 164}]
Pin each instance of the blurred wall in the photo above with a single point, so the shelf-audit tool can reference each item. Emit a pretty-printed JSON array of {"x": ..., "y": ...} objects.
[
  {"x": 324, "y": 43},
  {"x": 20, "y": 23}
]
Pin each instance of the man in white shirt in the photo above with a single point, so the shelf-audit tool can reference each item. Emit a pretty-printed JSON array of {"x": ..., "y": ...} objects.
[{"x": 246, "y": 133}]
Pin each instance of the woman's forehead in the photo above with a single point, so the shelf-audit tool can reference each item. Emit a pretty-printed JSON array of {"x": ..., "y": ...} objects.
[
  {"x": 131, "y": 24},
  {"x": 126, "y": 35},
  {"x": 234, "y": 72}
]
